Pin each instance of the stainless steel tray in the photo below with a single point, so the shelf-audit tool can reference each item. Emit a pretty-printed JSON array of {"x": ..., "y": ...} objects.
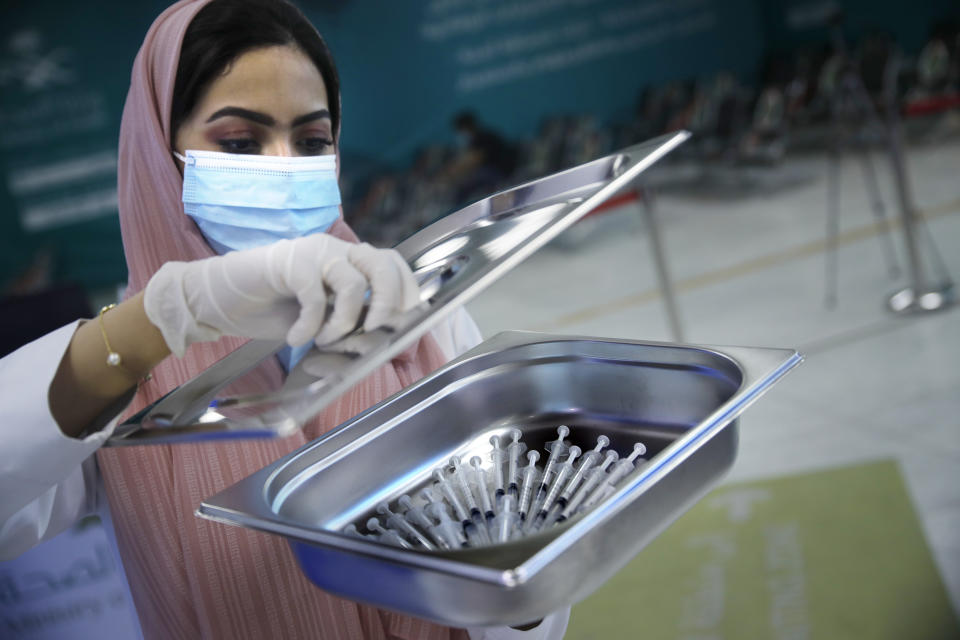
[
  {"x": 681, "y": 400},
  {"x": 454, "y": 259}
]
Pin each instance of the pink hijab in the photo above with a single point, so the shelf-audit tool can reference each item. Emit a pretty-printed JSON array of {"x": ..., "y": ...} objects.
[{"x": 191, "y": 578}]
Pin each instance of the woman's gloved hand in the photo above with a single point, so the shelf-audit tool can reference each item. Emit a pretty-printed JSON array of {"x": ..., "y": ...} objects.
[{"x": 279, "y": 291}]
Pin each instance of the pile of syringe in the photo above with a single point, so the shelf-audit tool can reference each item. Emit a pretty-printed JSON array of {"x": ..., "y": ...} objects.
[{"x": 473, "y": 506}]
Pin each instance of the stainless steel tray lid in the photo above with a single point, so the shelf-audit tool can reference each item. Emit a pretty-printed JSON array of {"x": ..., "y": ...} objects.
[{"x": 453, "y": 259}]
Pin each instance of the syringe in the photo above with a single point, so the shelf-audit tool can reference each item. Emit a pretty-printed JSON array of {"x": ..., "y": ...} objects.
[
  {"x": 505, "y": 524},
  {"x": 565, "y": 471},
  {"x": 514, "y": 450},
  {"x": 398, "y": 522},
  {"x": 416, "y": 516},
  {"x": 587, "y": 462},
  {"x": 447, "y": 528},
  {"x": 476, "y": 516},
  {"x": 617, "y": 473},
  {"x": 480, "y": 477},
  {"x": 594, "y": 477},
  {"x": 387, "y": 535},
  {"x": 556, "y": 448},
  {"x": 474, "y": 535},
  {"x": 497, "y": 455},
  {"x": 460, "y": 473},
  {"x": 529, "y": 479},
  {"x": 454, "y": 540},
  {"x": 443, "y": 485}
]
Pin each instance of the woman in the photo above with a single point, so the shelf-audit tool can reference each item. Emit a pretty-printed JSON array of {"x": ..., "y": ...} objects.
[{"x": 251, "y": 77}]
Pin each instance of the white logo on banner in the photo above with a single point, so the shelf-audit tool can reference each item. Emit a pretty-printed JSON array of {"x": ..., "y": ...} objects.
[{"x": 31, "y": 65}]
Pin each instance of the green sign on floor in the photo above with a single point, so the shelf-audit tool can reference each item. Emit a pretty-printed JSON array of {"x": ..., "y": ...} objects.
[{"x": 834, "y": 554}]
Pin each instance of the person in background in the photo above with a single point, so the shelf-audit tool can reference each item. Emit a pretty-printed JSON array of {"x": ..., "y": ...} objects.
[
  {"x": 484, "y": 162},
  {"x": 226, "y": 97}
]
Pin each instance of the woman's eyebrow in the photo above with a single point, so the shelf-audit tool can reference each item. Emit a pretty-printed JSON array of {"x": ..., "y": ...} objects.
[
  {"x": 315, "y": 115},
  {"x": 255, "y": 116}
]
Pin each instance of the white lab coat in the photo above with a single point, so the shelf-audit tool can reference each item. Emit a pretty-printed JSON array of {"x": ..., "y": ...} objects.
[{"x": 49, "y": 481}]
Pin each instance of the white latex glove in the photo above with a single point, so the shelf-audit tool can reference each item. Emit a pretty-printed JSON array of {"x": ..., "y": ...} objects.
[{"x": 279, "y": 291}]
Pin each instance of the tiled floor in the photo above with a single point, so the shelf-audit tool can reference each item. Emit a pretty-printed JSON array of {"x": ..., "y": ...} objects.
[{"x": 746, "y": 254}]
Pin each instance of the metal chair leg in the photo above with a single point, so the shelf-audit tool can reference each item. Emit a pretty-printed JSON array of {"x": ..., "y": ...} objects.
[
  {"x": 879, "y": 212},
  {"x": 831, "y": 276},
  {"x": 660, "y": 264},
  {"x": 922, "y": 294}
]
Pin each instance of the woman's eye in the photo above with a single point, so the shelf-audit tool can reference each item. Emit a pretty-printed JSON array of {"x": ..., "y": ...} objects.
[
  {"x": 239, "y": 145},
  {"x": 314, "y": 145}
]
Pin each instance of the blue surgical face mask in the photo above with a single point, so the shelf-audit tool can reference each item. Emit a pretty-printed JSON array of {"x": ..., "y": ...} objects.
[{"x": 243, "y": 201}]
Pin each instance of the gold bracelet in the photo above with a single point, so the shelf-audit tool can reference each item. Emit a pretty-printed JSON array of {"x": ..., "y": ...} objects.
[{"x": 113, "y": 358}]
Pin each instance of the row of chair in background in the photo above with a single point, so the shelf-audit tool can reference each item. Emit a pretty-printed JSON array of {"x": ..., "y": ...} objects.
[{"x": 795, "y": 106}]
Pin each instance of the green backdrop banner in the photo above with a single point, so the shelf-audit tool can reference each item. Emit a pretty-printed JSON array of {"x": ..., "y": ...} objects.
[
  {"x": 64, "y": 73},
  {"x": 406, "y": 68}
]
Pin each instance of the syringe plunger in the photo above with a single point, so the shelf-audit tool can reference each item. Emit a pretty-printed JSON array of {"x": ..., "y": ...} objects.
[{"x": 586, "y": 463}]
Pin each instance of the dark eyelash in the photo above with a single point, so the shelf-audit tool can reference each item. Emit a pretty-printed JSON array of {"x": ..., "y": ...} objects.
[
  {"x": 315, "y": 144},
  {"x": 239, "y": 145}
]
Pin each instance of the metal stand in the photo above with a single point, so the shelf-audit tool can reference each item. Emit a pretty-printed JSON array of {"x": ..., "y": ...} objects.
[
  {"x": 660, "y": 263},
  {"x": 920, "y": 295},
  {"x": 852, "y": 112}
]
